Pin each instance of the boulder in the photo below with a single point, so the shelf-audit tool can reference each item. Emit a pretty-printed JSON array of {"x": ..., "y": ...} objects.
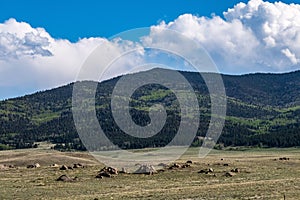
[
  {"x": 30, "y": 166},
  {"x": 174, "y": 166},
  {"x": 107, "y": 172},
  {"x": 146, "y": 169},
  {"x": 103, "y": 174},
  {"x": 185, "y": 165},
  {"x": 63, "y": 167},
  {"x": 236, "y": 170},
  {"x": 77, "y": 165},
  {"x": 3, "y": 166},
  {"x": 202, "y": 171},
  {"x": 36, "y": 165},
  {"x": 284, "y": 158},
  {"x": 99, "y": 176},
  {"x": 162, "y": 165},
  {"x": 229, "y": 174},
  {"x": 206, "y": 171},
  {"x": 123, "y": 171},
  {"x": 112, "y": 170},
  {"x": 66, "y": 178},
  {"x": 54, "y": 165}
]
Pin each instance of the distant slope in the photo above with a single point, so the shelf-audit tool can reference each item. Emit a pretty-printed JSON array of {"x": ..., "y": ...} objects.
[
  {"x": 280, "y": 90},
  {"x": 262, "y": 109}
]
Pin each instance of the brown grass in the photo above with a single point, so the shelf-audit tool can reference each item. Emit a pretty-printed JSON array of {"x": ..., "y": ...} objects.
[{"x": 261, "y": 177}]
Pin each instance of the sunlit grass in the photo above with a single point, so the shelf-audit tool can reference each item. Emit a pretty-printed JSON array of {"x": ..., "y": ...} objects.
[{"x": 261, "y": 177}]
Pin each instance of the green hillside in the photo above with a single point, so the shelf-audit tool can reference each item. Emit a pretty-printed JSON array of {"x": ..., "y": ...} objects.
[{"x": 262, "y": 109}]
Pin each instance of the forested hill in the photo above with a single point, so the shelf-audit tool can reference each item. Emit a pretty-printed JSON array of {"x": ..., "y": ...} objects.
[
  {"x": 278, "y": 90},
  {"x": 262, "y": 109}
]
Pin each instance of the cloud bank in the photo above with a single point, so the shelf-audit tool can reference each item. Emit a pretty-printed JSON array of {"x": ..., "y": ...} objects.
[{"x": 254, "y": 37}]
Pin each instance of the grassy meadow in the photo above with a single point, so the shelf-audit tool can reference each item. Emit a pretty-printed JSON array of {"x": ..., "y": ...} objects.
[{"x": 262, "y": 176}]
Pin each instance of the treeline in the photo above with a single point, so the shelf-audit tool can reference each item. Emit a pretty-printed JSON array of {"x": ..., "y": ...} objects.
[{"x": 262, "y": 111}]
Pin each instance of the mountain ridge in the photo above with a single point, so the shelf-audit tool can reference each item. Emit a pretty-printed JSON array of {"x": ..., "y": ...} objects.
[{"x": 262, "y": 109}]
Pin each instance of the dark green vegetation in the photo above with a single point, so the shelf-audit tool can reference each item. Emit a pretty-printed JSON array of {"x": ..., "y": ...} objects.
[{"x": 262, "y": 110}]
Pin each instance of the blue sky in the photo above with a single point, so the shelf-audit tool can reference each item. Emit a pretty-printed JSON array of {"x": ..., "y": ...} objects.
[
  {"x": 43, "y": 44},
  {"x": 78, "y": 19}
]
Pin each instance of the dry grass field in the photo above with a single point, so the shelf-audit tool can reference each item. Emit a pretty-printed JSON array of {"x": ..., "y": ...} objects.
[{"x": 262, "y": 176}]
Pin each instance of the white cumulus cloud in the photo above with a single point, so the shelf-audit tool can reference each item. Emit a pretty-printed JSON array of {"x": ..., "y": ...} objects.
[
  {"x": 31, "y": 60},
  {"x": 257, "y": 36},
  {"x": 19, "y": 39},
  {"x": 290, "y": 55}
]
